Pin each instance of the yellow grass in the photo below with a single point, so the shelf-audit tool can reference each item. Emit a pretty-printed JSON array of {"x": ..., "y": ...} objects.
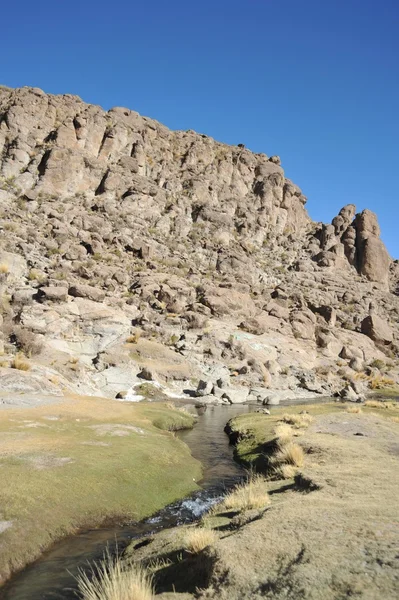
[
  {"x": 379, "y": 382},
  {"x": 353, "y": 409},
  {"x": 380, "y": 404},
  {"x": 395, "y": 419},
  {"x": 291, "y": 454},
  {"x": 111, "y": 579},
  {"x": 19, "y": 363},
  {"x": 246, "y": 496},
  {"x": 297, "y": 420},
  {"x": 198, "y": 539},
  {"x": 134, "y": 338},
  {"x": 286, "y": 471},
  {"x": 284, "y": 432},
  {"x": 4, "y": 269}
]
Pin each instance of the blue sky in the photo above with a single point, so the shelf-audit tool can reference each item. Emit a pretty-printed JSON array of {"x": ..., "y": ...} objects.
[{"x": 314, "y": 81}]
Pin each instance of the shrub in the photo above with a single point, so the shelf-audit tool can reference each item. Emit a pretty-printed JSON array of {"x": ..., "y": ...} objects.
[
  {"x": 245, "y": 496},
  {"x": 380, "y": 404},
  {"x": 197, "y": 539},
  {"x": 112, "y": 579},
  {"x": 290, "y": 454}
]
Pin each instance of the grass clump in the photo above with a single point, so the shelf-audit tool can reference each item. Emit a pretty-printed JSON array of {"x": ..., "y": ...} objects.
[
  {"x": 300, "y": 421},
  {"x": 112, "y": 579},
  {"x": 380, "y": 404},
  {"x": 286, "y": 471},
  {"x": 198, "y": 539},
  {"x": 252, "y": 494},
  {"x": 284, "y": 432},
  {"x": 176, "y": 420},
  {"x": 20, "y": 363},
  {"x": 353, "y": 409},
  {"x": 290, "y": 454}
]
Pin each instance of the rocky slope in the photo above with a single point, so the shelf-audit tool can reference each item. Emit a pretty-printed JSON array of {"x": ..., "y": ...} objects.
[{"x": 128, "y": 249}]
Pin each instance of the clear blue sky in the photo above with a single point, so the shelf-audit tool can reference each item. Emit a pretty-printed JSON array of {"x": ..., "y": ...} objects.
[{"x": 315, "y": 81}]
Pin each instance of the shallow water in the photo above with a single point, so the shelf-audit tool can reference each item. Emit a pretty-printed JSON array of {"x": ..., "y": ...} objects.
[{"x": 52, "y": 577}]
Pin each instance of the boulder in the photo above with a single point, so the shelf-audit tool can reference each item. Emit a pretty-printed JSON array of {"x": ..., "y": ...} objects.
[
  {"x": 204, "y": 387},
  {"x": 236, "y": 395},
  {"x": 377, "y": 329},
  {"x": 54, "y": 293},
  {"x": 81, "y": 290}
]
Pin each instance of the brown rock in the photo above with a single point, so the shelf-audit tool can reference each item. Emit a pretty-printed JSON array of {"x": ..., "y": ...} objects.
[{"x": 377, "y": 329}]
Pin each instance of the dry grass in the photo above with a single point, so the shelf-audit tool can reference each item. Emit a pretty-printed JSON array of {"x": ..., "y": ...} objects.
[
  {"x": 297, "y": 420},
  {"x": 284, "y": 432},
  {"x": 197, "y": 539},
  {"x": 380, "y": 404},
  {"x": 286, "y": 471},
  {"x": 111, "y": 579},
  {"x": 134, "y": 338},
  {"x": 4, "y": 269},
  {"x": 246, "y": 496},
  {"x": 290, "y": 454},
  {"x": 353, "y": 409},
  {"x": 379, "y": 382},
  {"x": 395, "y": 419},
  {"x": 20, "y": 363}
]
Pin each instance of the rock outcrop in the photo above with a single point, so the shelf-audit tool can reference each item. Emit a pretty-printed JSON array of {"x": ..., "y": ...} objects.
[{"x": 117, "y": 231}]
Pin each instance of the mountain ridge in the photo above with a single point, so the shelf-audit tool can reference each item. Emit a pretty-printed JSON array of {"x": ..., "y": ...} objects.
[{"x": 115, "y": 225}]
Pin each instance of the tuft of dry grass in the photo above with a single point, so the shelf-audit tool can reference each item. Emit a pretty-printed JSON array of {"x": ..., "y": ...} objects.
[
  {"x": 284, "y": 432},
  {"x": 4, "y": 269},
  {"x": 20, "y": 363},
  {"x": 395, "y": 419},
  {"x": 380, "y": 382},
  {"x": 246, "y": 496},
  {"x": 297, "y": 420},
  {"x": 134, "y": 338},
  {"x": 380, "y": 404},
  {"x": 197, "y": 539},
  {"x": 353, "y": 409},
  {"x": 290, "y": 454},
  {"x": 112, "y": 579},
  {"x": 286, "y": 471}
]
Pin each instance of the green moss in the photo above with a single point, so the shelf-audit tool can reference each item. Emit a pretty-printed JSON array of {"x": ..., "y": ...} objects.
[{"x": 70, "y": 466}]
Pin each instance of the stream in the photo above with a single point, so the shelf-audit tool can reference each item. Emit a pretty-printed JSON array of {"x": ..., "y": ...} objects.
[{"x": 52, "y": 576}]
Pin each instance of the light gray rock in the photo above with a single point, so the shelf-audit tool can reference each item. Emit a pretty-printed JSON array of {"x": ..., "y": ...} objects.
[{"x": 236, "y": 395}]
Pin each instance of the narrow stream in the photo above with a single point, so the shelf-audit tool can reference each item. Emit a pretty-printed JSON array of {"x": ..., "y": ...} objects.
[{"x": 52, "y": 577}]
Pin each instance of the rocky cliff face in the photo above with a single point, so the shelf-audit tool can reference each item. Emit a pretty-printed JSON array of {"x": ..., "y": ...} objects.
[{"x": 130, "y": 249}]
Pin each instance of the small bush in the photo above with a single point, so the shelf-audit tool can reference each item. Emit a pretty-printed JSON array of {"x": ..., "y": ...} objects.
[
  {"x": 111, "y": 579},
  {"x": 247, "y": 496},
  {"x": 197, "y": 540},
  {"x": 290, "y": 454}
]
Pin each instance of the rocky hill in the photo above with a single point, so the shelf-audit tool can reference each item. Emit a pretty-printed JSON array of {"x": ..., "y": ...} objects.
[{"x": 130, "y": 252}]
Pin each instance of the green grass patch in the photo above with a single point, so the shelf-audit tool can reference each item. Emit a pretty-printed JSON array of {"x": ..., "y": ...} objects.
[{"x": 82, "y": 463}]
